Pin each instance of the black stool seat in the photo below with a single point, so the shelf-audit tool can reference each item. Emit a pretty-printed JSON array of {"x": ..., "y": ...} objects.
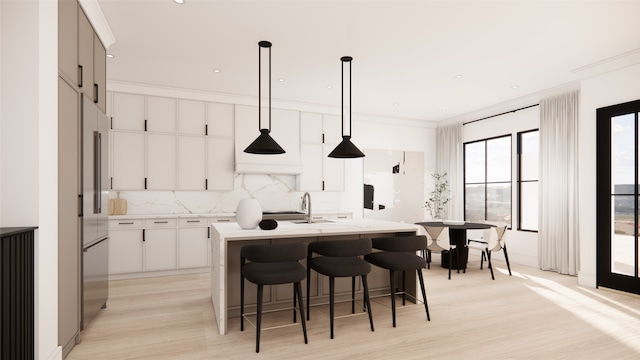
[
  {"x": 396, "y": 261},
  {"x": 340, "y": 266},
  {"x": 271, "y": 265},
  {"x": 399, "y": 254},
  {"x": 340, "y": 258},
  {"x": 274, "y": 273}
]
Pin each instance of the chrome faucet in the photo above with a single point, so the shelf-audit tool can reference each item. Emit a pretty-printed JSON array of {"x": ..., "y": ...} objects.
[{"x": 307, "y": 204}]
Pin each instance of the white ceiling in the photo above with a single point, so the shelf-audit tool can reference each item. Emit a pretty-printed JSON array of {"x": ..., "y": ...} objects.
[{"x": 406, "y": 54}]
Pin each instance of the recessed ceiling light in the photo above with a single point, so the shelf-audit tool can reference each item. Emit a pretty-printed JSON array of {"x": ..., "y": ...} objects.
[
  {"x": 110, "y": 56},
  {"x": 514, "y": 86},
  {"x": 329, "y": 86},
  {"x": 281, "y": 80},
  {"x": 216, "y": 70},
  {"x": 179, "y": 1},
  {"x": 395, "y": 104},
  {"x": 458, "y": 76}
]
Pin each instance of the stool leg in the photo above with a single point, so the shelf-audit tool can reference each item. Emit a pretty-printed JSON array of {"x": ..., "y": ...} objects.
[
  {"x": 298, "y": 289},
  {"x": 489, "y": 261},
  {"x": 392, "y": 281},
  {"x": 353, "y": 294},
  {"x": 308, "y": 289},
  {"x": 331, "y": 298},
  {"x": 366, "y": 296},
  {"x": 403, "y": 287},
  {"x": 295, "y": 294},
  {"x": 450, "y": 262},
  {"x": 259, "y": 317},
  {"x": 241, "y": 303},
  {"x": 424, "y": 293}
]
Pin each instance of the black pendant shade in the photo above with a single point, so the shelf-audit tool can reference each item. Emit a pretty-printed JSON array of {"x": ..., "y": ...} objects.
[
  {"x": 346, "y": 149},
  {"x": 264, "y": 144}
]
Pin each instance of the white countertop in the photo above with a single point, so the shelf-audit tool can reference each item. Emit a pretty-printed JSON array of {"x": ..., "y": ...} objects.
[
  {"x": 232, "y": 231},
  {"x": 169, "y": 216}
]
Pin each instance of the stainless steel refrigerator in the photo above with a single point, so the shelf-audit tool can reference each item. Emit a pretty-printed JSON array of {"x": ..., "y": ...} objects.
[{"x": 95, "y": 198}]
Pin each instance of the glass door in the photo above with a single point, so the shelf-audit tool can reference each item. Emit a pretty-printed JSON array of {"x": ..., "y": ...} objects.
[{"x": 618, "y": 196}]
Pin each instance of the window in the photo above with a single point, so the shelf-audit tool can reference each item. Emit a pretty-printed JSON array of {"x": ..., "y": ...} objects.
[
  {"x": 528, "y": 170},
  {"x": 487, "y": 180}
]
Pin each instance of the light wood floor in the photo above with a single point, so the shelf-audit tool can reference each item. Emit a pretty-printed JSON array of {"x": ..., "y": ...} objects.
[{"x": 530, "y": 315}]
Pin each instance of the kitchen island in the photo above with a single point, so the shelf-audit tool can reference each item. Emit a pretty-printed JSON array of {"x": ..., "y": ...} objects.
[{"x": 228, "y": 238}]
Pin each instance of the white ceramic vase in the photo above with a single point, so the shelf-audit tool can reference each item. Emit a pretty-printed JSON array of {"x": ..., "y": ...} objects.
[{"x": 248, "y": 213}]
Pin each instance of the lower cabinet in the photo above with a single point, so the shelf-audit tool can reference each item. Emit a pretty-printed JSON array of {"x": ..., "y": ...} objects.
[{"x": 138, "y": 246}]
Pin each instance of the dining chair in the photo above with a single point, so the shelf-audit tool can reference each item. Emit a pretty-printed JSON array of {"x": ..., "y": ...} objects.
[
  {"x": 340, "y": 258},
  {"x": 493, "y": 239},
  {"x": 438, "y": 240},
  {"x": 272, "y": 264},
  {"x": 398, "y": 254}
]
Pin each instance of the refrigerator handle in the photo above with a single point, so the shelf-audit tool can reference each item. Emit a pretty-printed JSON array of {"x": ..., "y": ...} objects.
[{"x": 97, "y": 172}]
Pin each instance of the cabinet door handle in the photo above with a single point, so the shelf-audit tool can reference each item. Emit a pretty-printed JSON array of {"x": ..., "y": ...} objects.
[
  {"x": 144, "y": 235},
  {"x": 222, "y": 220},
  {"x": 193, "y": 221},
  {"x": 80, "y": 75},
  {"x": 160, "y": 222},
  {"x": 95, "y": 93},
  {"x": 125, "y": 223}
]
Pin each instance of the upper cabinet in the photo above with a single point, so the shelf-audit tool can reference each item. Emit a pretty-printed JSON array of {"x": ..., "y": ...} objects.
[
  {"x": 99, "y": 74},
  {"x": 162, "y": 143},
  {"x": 68, "y": 40},
  {"x": 319, "y": 135},
  {"x": 285, "y": 130}
]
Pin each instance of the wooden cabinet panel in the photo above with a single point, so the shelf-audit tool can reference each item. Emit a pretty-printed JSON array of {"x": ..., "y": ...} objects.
[
  {"x": 191, "y": 117},
  {"x": 128, "y": 112},
  {"x": 68, "y": 39},
  {"x": 161, "y": 162},
  {"x": 125, "y": 251},
  {"x": 128, "y": 161},
  {"x": 161, "y": 114},
  {"x": 220, "y": 157},
  {"x": 159, "y": 249},
  {"x": 191, "y": 162},
  {"x": 220, "y": 119},
  {"x": 99, "y": 74},
  {"x": 85, "y": 54}
]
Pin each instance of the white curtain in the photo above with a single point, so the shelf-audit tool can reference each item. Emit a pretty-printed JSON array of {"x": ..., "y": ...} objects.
[
  {"x": 449, "y": 160},
  {"x": 558, "y": 248}
]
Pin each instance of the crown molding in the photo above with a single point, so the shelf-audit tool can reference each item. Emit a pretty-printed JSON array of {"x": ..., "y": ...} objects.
[{"x": 94, "y": 12}]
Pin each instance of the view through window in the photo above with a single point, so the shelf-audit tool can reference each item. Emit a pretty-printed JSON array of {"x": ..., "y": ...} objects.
[
  {"x": 487, "y": 180},
  {"x": 528, "y": 173}
]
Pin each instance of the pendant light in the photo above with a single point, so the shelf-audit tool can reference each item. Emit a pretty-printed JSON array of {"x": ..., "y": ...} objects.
[
  {"x": 264, "y": 143},
  {"x": 346, "y": 149}
]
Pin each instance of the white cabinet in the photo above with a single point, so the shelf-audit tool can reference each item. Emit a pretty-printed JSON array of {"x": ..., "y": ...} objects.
[
  {"x": 160, "y": 245},
  {"x": 192, "y": 162},
  {"x": 128, "y": 112},
  {"x": 161, "y": 162},
  {"x": 127, "y": 160},
  {"x": 192, "y": 117},
  {"x": 161, "y": 114},
  {"x": 220, "y": 164},
  {"x": 193, "y": 243},
  {"x": 162, "y": 143},
  {"x": 320, "y": 172},
  {"x": 125, "y": 246},
  {"x": 285, "y": 130}
]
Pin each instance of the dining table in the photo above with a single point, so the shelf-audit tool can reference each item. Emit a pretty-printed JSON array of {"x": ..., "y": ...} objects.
[{"x": 458, "y": 237}]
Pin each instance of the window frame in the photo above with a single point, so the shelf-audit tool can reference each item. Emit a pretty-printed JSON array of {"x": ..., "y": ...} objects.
[
  {"x": 486, "y": 183},
  {"x": 520, "y": 181}
]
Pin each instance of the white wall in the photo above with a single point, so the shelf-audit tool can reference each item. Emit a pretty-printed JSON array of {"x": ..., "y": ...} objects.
[
  {"x": 522, "y": 245},
  {"x": 28, "y": 159},
  {"x": 598, "y": 90}
]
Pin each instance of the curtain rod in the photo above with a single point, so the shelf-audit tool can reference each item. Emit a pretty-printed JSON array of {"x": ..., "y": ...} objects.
[{"x": 504, "y": 113}]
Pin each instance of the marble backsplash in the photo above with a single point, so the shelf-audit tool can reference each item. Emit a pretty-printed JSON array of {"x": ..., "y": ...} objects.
[{"x": 274, "y": 192}]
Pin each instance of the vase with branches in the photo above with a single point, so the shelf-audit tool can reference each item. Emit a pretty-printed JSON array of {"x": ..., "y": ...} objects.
[{"x": 439, "y": 197}]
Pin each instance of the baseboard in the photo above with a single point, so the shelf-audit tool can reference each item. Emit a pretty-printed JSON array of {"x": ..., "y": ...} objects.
[{"x": 148, "y": 274}]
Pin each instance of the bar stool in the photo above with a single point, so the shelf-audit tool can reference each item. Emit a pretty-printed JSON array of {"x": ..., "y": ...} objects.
[
  {"x": 272, "y": 265},
  {"x": 399, "y": 254},
  {"x": 340, "y": 258}
]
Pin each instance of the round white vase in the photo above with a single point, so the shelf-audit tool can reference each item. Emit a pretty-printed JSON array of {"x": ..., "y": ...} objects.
[{"x": 248, "y": 213}]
